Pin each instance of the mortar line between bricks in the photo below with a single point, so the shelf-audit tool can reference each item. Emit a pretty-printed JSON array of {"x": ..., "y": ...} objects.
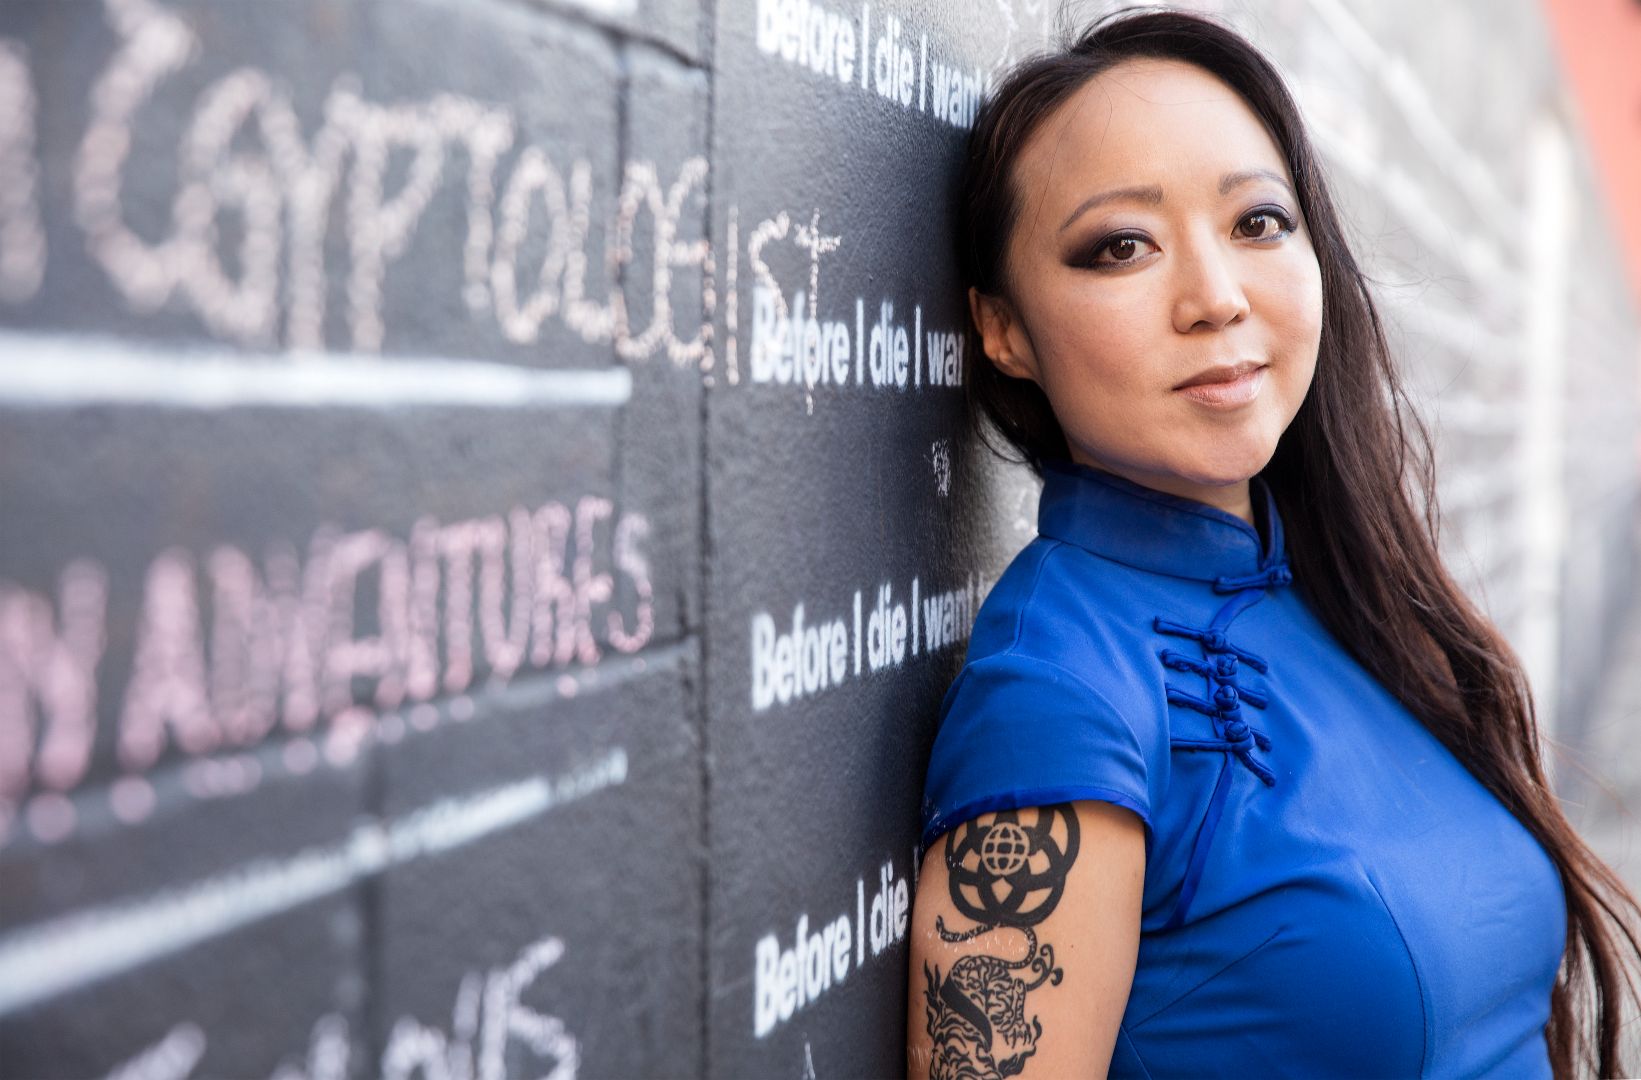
[
  {"x": 709, "y": 50},
  {"x": 92, "y": 802},
  {"x": 46, "y": 960},
  {"x": 371, "y": 950},
  {"x": 611, "y": 24},
  {"x": 74, "y": 369}
]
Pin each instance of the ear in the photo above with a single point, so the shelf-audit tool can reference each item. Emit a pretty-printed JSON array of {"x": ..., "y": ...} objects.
[{"x": 1002, "y": 335}]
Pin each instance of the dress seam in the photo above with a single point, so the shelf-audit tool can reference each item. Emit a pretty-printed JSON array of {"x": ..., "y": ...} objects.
[
  {"x": 1013, "y": 647},
  {"x": 1418, "y": 976},
  {"x": 1181, "y": 996},
  {"x": 1031, "y": 591},
  {"x": 1121, "y": 562},
  {"x": 1133, "y": 1051},
  {"x": 1184, "y": 506},
  {"x": 1038, "y": 796}
]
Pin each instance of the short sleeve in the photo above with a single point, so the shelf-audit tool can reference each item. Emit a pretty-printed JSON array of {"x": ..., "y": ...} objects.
[{"x": 1017, "y": 731}]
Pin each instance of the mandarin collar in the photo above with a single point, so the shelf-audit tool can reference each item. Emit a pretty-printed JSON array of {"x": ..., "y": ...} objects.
[{"x": 1149, "y": 530}]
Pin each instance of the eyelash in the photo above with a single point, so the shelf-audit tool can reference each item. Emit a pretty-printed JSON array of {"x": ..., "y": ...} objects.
[{"x": 1289, "y": 225}]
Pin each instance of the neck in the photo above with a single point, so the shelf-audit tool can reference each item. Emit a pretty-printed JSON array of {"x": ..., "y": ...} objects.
[{"x": 1234, "y": 498}]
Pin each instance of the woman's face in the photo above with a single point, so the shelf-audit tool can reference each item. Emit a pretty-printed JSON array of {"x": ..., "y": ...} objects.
[{"x": 1163, "y": 289}]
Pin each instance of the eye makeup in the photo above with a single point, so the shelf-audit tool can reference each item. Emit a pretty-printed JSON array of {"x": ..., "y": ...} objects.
[{"x": 1128, "y": 243}]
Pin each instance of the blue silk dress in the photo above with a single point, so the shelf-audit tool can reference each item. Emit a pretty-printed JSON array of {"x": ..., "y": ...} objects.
[{"x": 1328, "y": 891}]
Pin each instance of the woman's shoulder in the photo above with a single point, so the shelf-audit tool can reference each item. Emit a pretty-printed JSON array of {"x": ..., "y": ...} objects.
[
  {"x": 1058, "y": 699},
  {"x": 1060, "y": 604}
]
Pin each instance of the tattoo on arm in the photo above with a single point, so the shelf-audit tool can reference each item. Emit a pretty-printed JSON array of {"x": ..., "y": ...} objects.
[{"x": 1005, "y": 870}]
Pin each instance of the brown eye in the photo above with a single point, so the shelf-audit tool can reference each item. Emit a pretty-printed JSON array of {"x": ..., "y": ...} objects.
[
  {"x": 1255, "y": 226},
  {"x": 1264, "y": 225},
  {"x": 1123, "y": 248},
  {"x": 1116, "y": 251}
]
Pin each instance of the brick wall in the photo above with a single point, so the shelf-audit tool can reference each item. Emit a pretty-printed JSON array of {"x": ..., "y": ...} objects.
[{"x": 485, "y": 524}]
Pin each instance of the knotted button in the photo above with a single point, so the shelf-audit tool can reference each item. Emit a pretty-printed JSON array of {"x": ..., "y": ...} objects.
[
  {"x": 1172, "y": 659},
  {"x": 1226, "y": 697},
  {"x": 1270, "y": 577},
  {"x": 1225, "y": 666},
  {"x": 1237, "y": 731},
  {"x": 1216, "y": 642}
]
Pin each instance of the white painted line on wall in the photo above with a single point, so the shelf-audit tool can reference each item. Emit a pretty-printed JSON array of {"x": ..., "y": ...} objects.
[
  {"x": 1543, "y": 511},
  {"x": 64, "y": 954},
  {"x": 1475, "y": 417},
  {"x": 1474, "y": 490},
  {"x": 1463, "y": 333},
  {"x": 606, "y": 7},
  {"x": 1403, "y": 193},
  {"x": 1410, "y": 97},
  {"x": 61, "y": 370}
]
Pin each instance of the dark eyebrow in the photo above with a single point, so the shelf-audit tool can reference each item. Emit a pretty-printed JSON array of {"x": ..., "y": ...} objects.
[
  {"x": 1152, "y": 194},
  {"x": 1149, "y": 194},
  {"x": 1233, "y": 180}
]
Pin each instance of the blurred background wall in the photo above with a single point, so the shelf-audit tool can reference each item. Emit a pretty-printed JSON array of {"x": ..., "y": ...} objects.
[{"x": 485, "y": 524}]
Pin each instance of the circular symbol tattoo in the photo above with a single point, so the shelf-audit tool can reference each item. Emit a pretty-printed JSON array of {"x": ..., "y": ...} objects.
[
  {"x": 1012, "y": 870},
  {"x": 1004, "y": 849}
]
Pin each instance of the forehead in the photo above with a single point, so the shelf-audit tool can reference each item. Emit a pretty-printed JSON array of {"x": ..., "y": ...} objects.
[{"x": 1144, "y": 121}]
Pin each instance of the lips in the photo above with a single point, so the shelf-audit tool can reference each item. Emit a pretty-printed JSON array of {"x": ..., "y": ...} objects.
[
  {"x": 1221, "y": 374},
  {"x": 1225, "y": 385}
]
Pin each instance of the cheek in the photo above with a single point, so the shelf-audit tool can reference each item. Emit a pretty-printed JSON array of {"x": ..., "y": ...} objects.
[
  {"x": 1097, "y": 337},
  {"x": 1294, "y": 300},
  {"x": 1313, "y": 301},
  {"x": 1300, "y": 336}
]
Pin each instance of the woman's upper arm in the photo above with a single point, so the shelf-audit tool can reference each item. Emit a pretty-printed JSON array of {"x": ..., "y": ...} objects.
[{"x": 1024, "y": 935}]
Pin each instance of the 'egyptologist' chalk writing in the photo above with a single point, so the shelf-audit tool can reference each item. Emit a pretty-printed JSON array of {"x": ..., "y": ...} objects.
[
  {"x": 247, "y": 156},
  {"x": 301, "y": 190}
]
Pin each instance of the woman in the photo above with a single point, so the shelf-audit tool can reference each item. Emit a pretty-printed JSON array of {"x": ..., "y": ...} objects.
[{"x": 1234, "y": 780}]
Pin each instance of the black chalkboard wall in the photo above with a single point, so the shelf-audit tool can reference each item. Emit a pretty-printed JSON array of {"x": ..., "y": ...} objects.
[{"x": 484, "y": 529}]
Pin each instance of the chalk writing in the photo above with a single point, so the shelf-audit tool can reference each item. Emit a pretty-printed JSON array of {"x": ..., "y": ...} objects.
[
  {"x": 244, "y": 156},
  {"x": 787, "y": 979},
  {"x": 67, "y": 952},
  {"x": 52, "y": 661},
  {"x": 955, "y": 94},
  {"x": 731, "y": 299},
  {"x": 172, "y": 1058},
  {"x": 893, "y": 65},
  {"x": 941, "y": 459},
  {"x": 489, "y": 1016},
  {"x": 286, "y": 645},
  {"x": 282, "y": 188},
  {"x": 809, "y": 35},
  {"x": 801, "y": 656},
  {"x": 22, "y": 238},
  {"x": 944, "y": 353},
  {"x": 328, "y": 1050},
  {"x": 793, "y": 344}
]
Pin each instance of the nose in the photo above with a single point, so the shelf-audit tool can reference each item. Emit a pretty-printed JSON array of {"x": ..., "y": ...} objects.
[{"x": 1208, "y": 290}]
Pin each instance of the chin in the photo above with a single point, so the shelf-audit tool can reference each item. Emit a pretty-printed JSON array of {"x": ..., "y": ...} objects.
[
  {"x": 1237, "y": 455},
  {"x": 1205, "y": 462},
  {"x": 1226, "y": 466}
]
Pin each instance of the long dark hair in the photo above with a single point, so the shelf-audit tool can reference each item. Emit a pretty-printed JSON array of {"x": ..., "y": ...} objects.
[{"x": 1365, "y": 558}]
